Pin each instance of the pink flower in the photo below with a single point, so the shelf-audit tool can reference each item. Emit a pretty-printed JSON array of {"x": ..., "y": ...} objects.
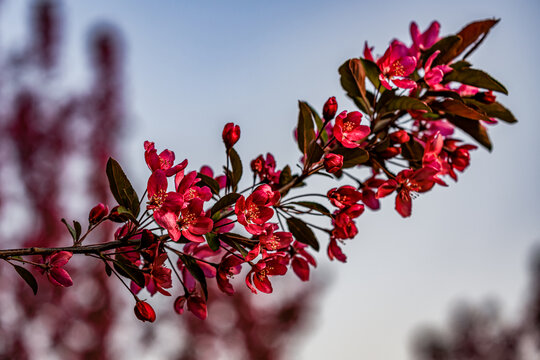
[
  {"x": 255, "y": 211},
  {"x": 165, "y": 205},
  {"x": 395, "y": 66},
  {"x": 423, "y": 41},
  {"x": 343, "y": 197},
  {"x": 53, "y": 268},
  {"x": 194, "y": 223},
  {"x": 334, "y": 251},
  {"x": 260, "y": 272},
  {"x": 348, "y": 130},
  {"x": 163, "y": 161},
  {"x": 433, "y": 77}
]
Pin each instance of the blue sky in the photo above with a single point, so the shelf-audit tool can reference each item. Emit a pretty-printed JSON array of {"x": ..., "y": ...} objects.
[{"x": 193, "y": 66}]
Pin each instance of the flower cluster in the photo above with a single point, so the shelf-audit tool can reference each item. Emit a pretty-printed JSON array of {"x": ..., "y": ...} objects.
[{"x": 196, "y": 226}]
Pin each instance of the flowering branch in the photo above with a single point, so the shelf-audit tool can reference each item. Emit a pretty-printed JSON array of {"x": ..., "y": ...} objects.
[{"x": 415, "y": 97}]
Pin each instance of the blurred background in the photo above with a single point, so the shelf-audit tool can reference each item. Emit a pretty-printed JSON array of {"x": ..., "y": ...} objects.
[{"x": 80, "y": 81}]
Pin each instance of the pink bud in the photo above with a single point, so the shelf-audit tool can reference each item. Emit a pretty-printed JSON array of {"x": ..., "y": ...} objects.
[
  {"x": 144, "y": 311},
  {"x": 97, "y": 213},
  {"x": 179, "y": 304},
  {"x": 333, "y": 162},
  {"x": 330, "y": 109},
  {"x": 231, "y": 134}
]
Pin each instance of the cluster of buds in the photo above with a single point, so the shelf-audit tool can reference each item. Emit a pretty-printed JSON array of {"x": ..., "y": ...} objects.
[{"x": 403, "y": 139}]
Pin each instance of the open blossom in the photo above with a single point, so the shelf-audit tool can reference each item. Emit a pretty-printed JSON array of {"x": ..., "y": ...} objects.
[
  {"x": 423, "y": 41},
  {"x": 335, "y": 252},
  {"x": 163, "y": 161},
  {"x": 165, "y": 205},
  {"x": 457, "y": 156},
  {"x": 260, "y": 272},
  {"x": 345, "y": 196},
  {"x": 54, "y": 268},
  {"x": 255, "y": 211},
  {"x": 348, "y": 130},
  {"x": 301, "y": 260},
  {"x": 229, "y": 266},
  {"x": 266, "y": 168},
  {"x": 434, "y": 76},
  {"x": 193, "y": 223},
  {"x": 395, "y": 66}
]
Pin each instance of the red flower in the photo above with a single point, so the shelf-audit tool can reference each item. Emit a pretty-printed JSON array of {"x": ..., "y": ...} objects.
[
  {"x": 165, "y": 205},
  {"x": 260, "y": 272},
  {"x": 334, "y": 251},
  {"x": 53, "y": 268},
  {"x": 197, "y": 306},
  {"x": 266, "y": 169},
  {"x": 254, "y": 211},
  {"x": 395, "y": 66},
  {"x": 333, "y": 162},
  {"x": 231, "y": 134},
  {"x": 163, "y": 161},
  {"x": 348, "y": 130},
  {"x": 423, "y": 41},
  {"x": 144, "y": 311},
  {"x": 194, "y": 223},
  {"x": 330, "y": 109},
  {"x": 345, "y": 196},
  {"x": 230, "y": 265}
]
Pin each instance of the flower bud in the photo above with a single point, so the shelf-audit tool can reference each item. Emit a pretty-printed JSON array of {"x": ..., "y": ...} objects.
[
  {"x": 333, "y": 162},
  {"x": 179, "y": 304},
  {"x": 231, "y": 134},
  {"x": 97, "y": 213},
  {"x": 399, "y": 137},
  {"x": 487, "y": 97},
  {"x": 330, "y": 108},
  {"x": 144, "y": 311}
]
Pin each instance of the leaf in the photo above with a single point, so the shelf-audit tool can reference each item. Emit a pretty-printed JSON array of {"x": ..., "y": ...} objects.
[
  {"x": 473, "y": 128},
  {"x": 121, "y": 188},
  {"x": 496, "y": 110},
  {"x": 126, "y": 214},
  {"x": 314, "y": 154},
  {"x": 313, "y": 206},
  {"x": 473, "y": 31},
  {"x": 108, "y": 269},
  {"x": 237, "y": 169},
  {"x": 352, "y": 157},
  {"x": 462, "y": 64},
  {"x": 27, "y": 277},
  {"x": 447, "y": 46},
  {"x": 210, "y": 182},
  {"x": 196, "y": 271},
  {"x": 413, "y": 151},
  {"x": 406, "y": 103},
  {"x": 71, "y": 229},
  {"x": 476, "y": 78},
  {"x": 353, "y": 81},
  {"x": 78, "y": 229},
  {"x": 318, "y": 122},
  {"x": 306, "y": 134},
  {"x": 124, "y": 268},
  {"x": 225, "y": 201},
  {"x": 455, "y": 107},
  {"x": 444, "y": 93},
  {"x": 285, "y": 177},
  {"x": 236, "y": 241},
  {"x": 212, "y": 240},
  {"x": 372, "y": 73},
  {"x": 302, "y": 233}
]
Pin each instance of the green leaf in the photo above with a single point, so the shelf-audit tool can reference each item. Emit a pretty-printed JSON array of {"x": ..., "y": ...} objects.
[
  {"x": 314, "y": 154},
  {"x": 196, "y": 271},
  {"x": 460, "y": 65},
  {"x": 121, "y": 188},
  {"x": 302, "y": 233},
  {"x": 70, "y": 229},
  {"x": 455, "y": 107},
  {"x": 496, "y": 110},
  {"x": 27, "y": 277},
  {"x": 236, "y": 164},
  {"x": 352, "y": 157},
  {"x": 210, "y": 182},
  {"x": 108, "y": 269},
  {"x": 124, "y": 268},
  {"x": 126, "y": 213},
  {"x": 313, "y": 206},
  {"x": 372, "y": 73},
  {"x": 476, "y": 78},
  {"x": 212, "y": 240},
  {"x": 285, "y": 177},
  {"x": 473, "y": 128},
  {"x": 306, "y": 133},
  {"x": 406, "y": 103},
  {"x": 225, "y": 201}
]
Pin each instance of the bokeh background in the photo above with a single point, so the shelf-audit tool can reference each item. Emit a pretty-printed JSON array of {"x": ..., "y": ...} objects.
[{"x": 190, "y": 67}]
